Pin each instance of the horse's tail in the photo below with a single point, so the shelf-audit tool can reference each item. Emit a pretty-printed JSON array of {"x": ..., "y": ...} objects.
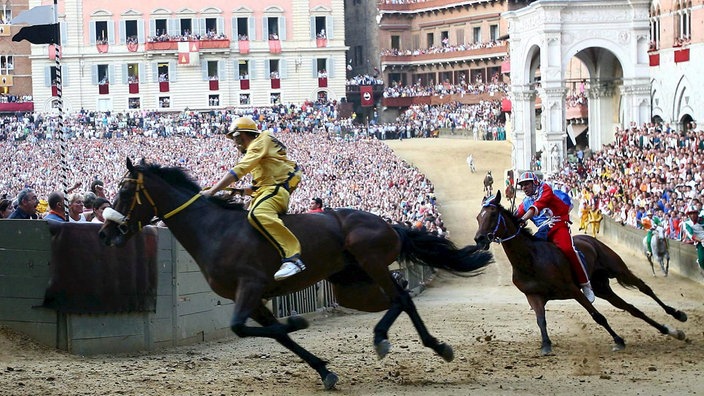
[{"x": 425, "y": 248}]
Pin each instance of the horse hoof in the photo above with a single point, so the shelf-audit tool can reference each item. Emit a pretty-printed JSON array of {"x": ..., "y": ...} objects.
[
  {"x": 445, "y": 351},
  {"x": 296, "y": 323},
  {"x": 618, "y": 347},
  {"x": 546, "y": 351},
  {"x": 330, "y": 381},
  {"x": 382, "y": 349},
  {"x": 681, "y": 316}
]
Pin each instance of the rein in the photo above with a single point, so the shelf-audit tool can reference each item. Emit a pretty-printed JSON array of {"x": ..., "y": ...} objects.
[
  {"x": 142, "y": 190},
  {"x": 492, "y": 235}
]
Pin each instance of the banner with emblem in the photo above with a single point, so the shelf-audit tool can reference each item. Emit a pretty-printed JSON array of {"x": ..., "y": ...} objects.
[
  {"x": 367, "y": 95},
  {"x": 4, "y": 30},
  {"x": 188, "y": 53},
  {"x": 6, "y": 80}
]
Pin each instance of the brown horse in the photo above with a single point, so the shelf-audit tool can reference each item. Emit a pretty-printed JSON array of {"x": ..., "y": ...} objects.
[
  {"x": 488, "y": 184},
  {"x": 350, "y": 248},
  {"x": 541, "y": 271}
]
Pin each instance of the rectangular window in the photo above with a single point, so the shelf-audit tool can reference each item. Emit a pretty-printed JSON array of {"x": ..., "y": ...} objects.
[
  {"x": 244, "y": 99},
  {"x": 274, "y": 69},
  {"x": 494, "y": 32},
  {"x": 186, "y": 27},
  {"x": 244, "y": 69},
  {"x": 477, "y": 34},
  {"x": 358, "y": 55},
  {"x": 5, "y": 16},
  {"x": 320, "y": 27},
  {"x": 430, "y": 38},
  {"x": 272, "y": 24},
  {"x": 160, "y": 25},
  {"x": 163, "y": 70},
  {"x": 213, "y": 73},
  {"x": 213, "y": 100},
  {"x": 134, "y": 103},
  {"x": 396, "y": 42},
  {"x": 211, "y": 27},
  {"x": 7, "y": 62},
  {"x": 131, "y": 34},
  {"x": 103, "y": 75},
  {"x": 322, "y": 65},
  {"x": 275, "y": 98},
  {"x": 164, "y": 102},
  {"x": 416, "y": 41},
  {"x": 101, "y": 32},
  {"x": 460, "y": 36},
  {"x": 242, "y": 28},
  {"x": 132, "y": 73}
]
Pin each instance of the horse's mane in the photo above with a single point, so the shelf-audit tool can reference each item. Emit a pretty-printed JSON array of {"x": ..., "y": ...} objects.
[
  {"x": 515, "y": 221},
  {"x": 179, "y": 177}
]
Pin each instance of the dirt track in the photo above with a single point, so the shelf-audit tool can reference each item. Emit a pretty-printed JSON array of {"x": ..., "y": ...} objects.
[{"x": 486, "y": 319}]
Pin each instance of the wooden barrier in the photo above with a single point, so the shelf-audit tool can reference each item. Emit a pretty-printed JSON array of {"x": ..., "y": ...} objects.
[{"x": 187, "y": 310}]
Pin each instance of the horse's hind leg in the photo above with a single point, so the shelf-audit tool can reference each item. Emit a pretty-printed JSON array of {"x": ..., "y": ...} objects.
[
  {"x": 629, "y": 279},
  {"x": 603, "y": 290},
  {"x": 404, "y": 303},
  {"x": 264, "y": 317}
]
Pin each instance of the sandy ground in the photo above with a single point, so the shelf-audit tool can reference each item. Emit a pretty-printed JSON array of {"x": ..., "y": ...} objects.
[{"x": 486, "y": 319}]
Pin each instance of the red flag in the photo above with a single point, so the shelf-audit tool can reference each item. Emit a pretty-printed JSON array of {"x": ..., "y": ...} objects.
[{"x": 365, "y": 92}]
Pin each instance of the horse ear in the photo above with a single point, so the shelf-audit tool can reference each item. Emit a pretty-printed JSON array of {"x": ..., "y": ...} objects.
[
  {"x": 130, "y": 167},
  {"x": 497, "y": 200},
  {"x": 143, "y": 162}
]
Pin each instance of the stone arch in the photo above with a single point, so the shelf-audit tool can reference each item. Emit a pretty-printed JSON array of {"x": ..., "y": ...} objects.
[{"x": 544, "y": 37}]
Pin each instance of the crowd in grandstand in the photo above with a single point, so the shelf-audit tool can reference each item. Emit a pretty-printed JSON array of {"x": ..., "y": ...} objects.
[
  {"x": 358, "y": 171},
  {"x": 649, "y": 171}
]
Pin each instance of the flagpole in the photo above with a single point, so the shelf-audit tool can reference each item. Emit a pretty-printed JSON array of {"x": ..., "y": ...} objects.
[{"x": 59, "y": 89}]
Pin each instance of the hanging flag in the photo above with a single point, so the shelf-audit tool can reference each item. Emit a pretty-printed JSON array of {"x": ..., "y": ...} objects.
[
  {"x": 188, "y": 54},
  {"x": 365, "y": 92},
  {"x": 43, "y": 27},
  {"x": 41, "y": 15}
]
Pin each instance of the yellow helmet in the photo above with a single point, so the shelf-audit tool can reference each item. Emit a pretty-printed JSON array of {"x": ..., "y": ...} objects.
[{"x": 242, "y": 124}]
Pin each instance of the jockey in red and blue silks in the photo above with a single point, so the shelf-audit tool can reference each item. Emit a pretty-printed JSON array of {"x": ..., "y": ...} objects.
[{"x": 551, "y": 215}]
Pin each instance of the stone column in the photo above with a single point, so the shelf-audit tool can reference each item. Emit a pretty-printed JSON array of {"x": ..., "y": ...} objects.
[
  {"x": 523, "y": 106},
  {"x": 601, "y": 114},
  {"x": 552, "y": 141}
]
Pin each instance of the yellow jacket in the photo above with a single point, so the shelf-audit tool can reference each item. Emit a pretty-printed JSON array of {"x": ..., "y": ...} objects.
[{"x": 266, "y": 160}]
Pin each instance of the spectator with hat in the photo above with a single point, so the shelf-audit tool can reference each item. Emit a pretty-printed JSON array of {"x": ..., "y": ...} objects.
[{"x": 694, "y": 230}]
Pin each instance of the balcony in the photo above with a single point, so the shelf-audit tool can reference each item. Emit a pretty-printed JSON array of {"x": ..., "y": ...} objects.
[
  {"x": 173, "y": 45},
  {"x": 577, "y": 112},
  {"x": 11, "y": 107},
  {"x": 479, "y": 53},
  {"x": 420, "y": 6},
  {"x": 439, "y": 100}
]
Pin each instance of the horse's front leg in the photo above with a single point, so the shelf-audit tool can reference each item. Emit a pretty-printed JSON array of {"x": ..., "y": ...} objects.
[
  {"x": 247, "y": 300},
  {"x": 537, "y": 303},
  {"x": 264, "y": 317}
]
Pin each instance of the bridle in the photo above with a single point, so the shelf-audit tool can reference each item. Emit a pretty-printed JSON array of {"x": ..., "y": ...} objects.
[
  {"x": 501, "y": 221},
  {"x": 140, "y": 190}
]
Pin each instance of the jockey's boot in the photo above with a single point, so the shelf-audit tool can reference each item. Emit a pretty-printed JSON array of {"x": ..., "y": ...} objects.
[
  {"x": 289, "y": 266},
  {"x": 588, "y": 292}
]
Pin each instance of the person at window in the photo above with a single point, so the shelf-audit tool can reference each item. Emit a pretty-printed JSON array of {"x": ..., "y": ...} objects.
[
  {"x": 552, "y": 215},
  {"x": 275, "y": 178}
]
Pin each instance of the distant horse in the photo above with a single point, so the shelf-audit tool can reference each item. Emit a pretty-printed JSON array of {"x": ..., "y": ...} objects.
[
  {"x": 659, "y": 249},
  {"x": 488, "y": 184},
  {"x": 350, "y": 248},
  {"x": 541, "y": 271}
]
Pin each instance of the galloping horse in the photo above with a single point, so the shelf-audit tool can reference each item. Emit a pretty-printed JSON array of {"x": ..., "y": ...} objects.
[
  {"x": 541, "y": 271},
  {"x": 659, "y": 249},
  {"x": 350, "y": 248},
  {"x": 488, "y": 184}
]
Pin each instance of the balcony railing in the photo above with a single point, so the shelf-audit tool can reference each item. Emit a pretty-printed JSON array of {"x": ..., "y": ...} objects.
[
  {"x": 421, "y": 5},
  {"x": 493, "y": 52},
  {"x": 439, "y": 100},
  {"x": 173, "y": 45}
]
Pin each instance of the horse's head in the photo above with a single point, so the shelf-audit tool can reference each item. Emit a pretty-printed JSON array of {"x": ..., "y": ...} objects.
[
  {"x": 132, "y": 210},
  {"x": 492, "y": 222}
]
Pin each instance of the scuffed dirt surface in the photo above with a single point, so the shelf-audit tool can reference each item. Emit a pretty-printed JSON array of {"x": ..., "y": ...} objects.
[{"x": 486, "y": 319}]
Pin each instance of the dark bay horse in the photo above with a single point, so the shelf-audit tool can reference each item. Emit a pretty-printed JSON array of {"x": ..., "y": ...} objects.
[
  {"x": 488, "y": 184},
  {"x": 541, "y": 271},
  {"x": 350, "y": 248}
]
